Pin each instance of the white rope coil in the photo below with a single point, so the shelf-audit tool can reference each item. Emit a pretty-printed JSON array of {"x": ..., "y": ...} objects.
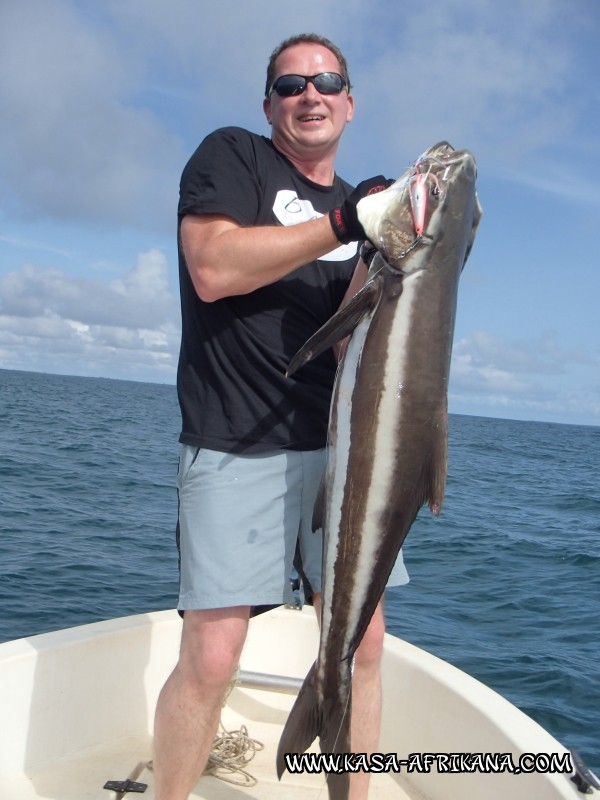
[{"x": 231, "y": 753}]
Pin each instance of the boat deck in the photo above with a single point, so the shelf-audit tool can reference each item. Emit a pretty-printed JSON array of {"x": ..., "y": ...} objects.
[
  {"x": 78, "y": 708},
  {"x": 82, "y": 777}
]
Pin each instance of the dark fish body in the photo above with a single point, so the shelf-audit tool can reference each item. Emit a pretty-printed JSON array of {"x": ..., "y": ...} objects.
[{"x": 387, "y": 438}]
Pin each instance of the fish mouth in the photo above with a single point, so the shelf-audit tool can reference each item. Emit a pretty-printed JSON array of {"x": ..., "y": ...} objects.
[{"x": 437, "y": 151}]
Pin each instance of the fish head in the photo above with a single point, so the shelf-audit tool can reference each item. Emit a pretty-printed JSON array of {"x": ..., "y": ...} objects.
[{"x": 437, "y": 190}]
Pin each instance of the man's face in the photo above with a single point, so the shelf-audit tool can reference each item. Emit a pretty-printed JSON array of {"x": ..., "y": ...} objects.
[{"x": 307, "y": 125}]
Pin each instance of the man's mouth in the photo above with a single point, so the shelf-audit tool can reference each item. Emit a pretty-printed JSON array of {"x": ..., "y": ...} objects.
[{"x": 311, "y": 118}]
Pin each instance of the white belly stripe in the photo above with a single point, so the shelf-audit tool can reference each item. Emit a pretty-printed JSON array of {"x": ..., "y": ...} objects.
[
  {"x": 388, "y": 414},
  {"x": 337, "y": 460}
]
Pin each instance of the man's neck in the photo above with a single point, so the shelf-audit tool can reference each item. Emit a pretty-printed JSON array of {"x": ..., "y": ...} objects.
[{"x": 319, "y": 168}]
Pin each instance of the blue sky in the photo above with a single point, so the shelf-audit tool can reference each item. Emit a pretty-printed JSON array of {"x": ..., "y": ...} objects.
[{"x": 101, "y": 104}]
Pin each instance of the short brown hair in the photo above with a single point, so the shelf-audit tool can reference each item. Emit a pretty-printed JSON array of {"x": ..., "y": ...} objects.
[{"x": 305, "y": 38}]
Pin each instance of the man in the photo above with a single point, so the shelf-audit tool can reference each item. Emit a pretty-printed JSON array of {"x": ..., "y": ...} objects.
[{"x": 268, "y": 245}]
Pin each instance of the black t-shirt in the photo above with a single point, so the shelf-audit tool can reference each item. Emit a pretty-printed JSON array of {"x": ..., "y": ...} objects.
[{"x": 231, "y": 382}]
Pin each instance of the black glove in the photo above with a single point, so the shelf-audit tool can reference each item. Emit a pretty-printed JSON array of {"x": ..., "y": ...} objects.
[{"x": 344, "y": 219}]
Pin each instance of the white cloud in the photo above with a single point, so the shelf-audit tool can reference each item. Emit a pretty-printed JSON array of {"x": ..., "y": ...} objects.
[
  {"x": 483, "y": 359},
  {"x": 126, "y": 327},
  {"x": 523, "y": 379},
  {"x": 542, "y": 356},
  {"x": 141, "y": 298},
  {"x": 36, "y": 245}
]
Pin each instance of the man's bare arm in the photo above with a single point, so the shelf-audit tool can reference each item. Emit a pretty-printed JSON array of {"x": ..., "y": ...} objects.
[{"x": 225, "y": 258}]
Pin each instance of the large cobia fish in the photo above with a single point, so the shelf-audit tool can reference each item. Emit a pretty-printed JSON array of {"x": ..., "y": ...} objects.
[{"x": 387, "y": 439}]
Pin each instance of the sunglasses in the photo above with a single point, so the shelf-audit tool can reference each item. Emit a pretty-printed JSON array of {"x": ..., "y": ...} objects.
[{"x": 324, "y": 83}]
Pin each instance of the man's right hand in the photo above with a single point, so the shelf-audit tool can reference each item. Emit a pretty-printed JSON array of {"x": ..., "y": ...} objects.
[{"x": 344, "y": 218}]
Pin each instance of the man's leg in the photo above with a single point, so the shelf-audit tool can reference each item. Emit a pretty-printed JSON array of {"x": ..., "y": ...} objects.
[
  {"x": 189, "y": 705},
  {"x": 366, "y": 699}
]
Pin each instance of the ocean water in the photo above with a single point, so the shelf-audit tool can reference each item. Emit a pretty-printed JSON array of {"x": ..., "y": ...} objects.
[{"x": 505, "y": 584}]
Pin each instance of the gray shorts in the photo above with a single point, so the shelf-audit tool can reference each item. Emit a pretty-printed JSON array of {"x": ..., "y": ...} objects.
[{"x": 239, "y": 520}]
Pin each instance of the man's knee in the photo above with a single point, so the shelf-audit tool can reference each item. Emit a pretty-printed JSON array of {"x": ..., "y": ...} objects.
[
  {"x": 211, "y": 645},
  {"x": 370, "y": 650}
]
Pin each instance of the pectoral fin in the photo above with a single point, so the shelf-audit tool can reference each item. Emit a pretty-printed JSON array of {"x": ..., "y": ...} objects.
[{"x": 340, "y": 325}]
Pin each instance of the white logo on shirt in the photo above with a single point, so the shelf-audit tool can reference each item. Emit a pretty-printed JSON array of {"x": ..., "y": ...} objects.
[{"x": 290, "y": 210}]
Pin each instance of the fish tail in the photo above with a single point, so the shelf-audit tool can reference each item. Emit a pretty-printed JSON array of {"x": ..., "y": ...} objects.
[
  {"x": 303, "y": 723},
  {"x": 310, "y": 718}
]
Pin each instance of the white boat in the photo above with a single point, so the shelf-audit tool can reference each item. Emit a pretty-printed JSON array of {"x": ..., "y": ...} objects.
[{"x": 77, "y": 707}]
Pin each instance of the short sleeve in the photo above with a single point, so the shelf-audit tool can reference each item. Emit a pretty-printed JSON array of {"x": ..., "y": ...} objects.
[{"x": 221, "y": 177}]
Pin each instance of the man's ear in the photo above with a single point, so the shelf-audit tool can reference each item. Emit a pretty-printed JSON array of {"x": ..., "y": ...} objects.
[{"x": 267, "y": 109}]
